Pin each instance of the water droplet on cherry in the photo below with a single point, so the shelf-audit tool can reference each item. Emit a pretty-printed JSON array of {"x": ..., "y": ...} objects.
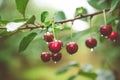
[
  {"x": 55, "y": 62},
  {"x": 106, "y": 36},
  {"x": 114, "y": 40},
  {"x": 91, "y": 49},
  {"x": 47, "y": 43},
  {"x": 101, "y": 35}
]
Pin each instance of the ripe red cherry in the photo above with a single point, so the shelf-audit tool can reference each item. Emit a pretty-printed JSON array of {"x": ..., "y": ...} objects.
[
  {"x": 91, "y": 42},
  {"x": 71, "y": 47},
  {"x": 45, "y": 56},
  {"x": 48, "y": 37},
  {"x": 60, "y": 43},
  {"x": 56, "y": 56},
  {"x": 113, "y": 35},
  {"x": 55, "y": 46},
  {"x": 105, "y": 30}
]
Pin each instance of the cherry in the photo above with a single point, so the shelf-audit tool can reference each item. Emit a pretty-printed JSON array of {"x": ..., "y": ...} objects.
[
  {"x": 56, "y": 56},
  {"x": 60, "y": 43},
  {"x": 91, "y": 42},
  {"x": 71, "y": 47},
  {"x": 48, "y": 37},
  {"x": 105, "y": 30},
  {"x": 45, "y": 56},
  {"x": 55, "y": 46},
  {"x": 113, "y": 35}
]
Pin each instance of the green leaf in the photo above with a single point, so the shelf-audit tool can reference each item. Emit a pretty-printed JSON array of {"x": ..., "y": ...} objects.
[
  {"x": 58, "y": 26},
  {"x": 60, "y": 15},
  {"x": 101, "y": 38},
  {"x": 4, "y": 33},
  {"x": 47, "y": 23},
  {"x": 73, "y": 64},
  {"x": 118, "y": 27},
  {"x": 26, "y": 41},
  {"x": 79, "y": 34},
  {"x": 18, "y": 20},
  {"x": 44, "y": 16},
  {"x": 66, "y": 68},
  {"x": 111, "y": 19},
  {"x": 88, "y": 74},
  {"x": 80, "y": 10},
  {"x": 21, "y": 6},
  {"x": 31, "y": 20},
  {"x": 99, "y": 4},
  {"x": 72, "y": 77},
  {"x": 3, "y": 21},
  {"x": 76, "y": 35},
  {"x": 62, "y": 70},
  {"x": 114, "y": 5}
]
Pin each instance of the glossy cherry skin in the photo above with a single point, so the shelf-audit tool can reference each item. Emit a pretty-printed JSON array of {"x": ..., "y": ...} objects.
[
  {"x": 72, "y": 47},
  {"x": 105, "y": 30},
  {"x": 91, "y": 42},
  {"x": 55, "y": 46},
  {"x": 56, "y": 56},
  {"x": 113, "y": 35},
  {"x": 45, "y": 56},
  {"x": 60, "y": 43},
  {"x": 48, "y": 37}
]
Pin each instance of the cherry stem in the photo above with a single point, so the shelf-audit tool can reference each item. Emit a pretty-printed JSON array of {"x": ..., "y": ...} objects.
[
  {"x": 71, "y": 31},
  {"x": 90, "y": 19},
  {"x": 53, "y": 24},
  {"x": 104, "y": 14},
  {"x": 24, "y": 17}
]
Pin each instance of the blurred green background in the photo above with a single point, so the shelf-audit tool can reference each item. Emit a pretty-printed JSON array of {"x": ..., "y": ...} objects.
[{"x": 28, "y": 65}]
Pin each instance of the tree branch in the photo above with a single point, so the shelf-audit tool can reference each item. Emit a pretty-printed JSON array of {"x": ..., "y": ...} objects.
[
  {"x": 82, "y": 16},
  {"x": 63, "y": 21}
]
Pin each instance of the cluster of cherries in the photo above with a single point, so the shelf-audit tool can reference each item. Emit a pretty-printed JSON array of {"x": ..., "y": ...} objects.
[
  {"x": 105, "y": 31},
  {"x": 55, "y": 46}
]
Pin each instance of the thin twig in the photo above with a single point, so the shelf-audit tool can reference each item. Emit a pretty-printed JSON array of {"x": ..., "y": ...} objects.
[
  {"x": 63, "y": 21},
  {"x": 83, "y": 16}
]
